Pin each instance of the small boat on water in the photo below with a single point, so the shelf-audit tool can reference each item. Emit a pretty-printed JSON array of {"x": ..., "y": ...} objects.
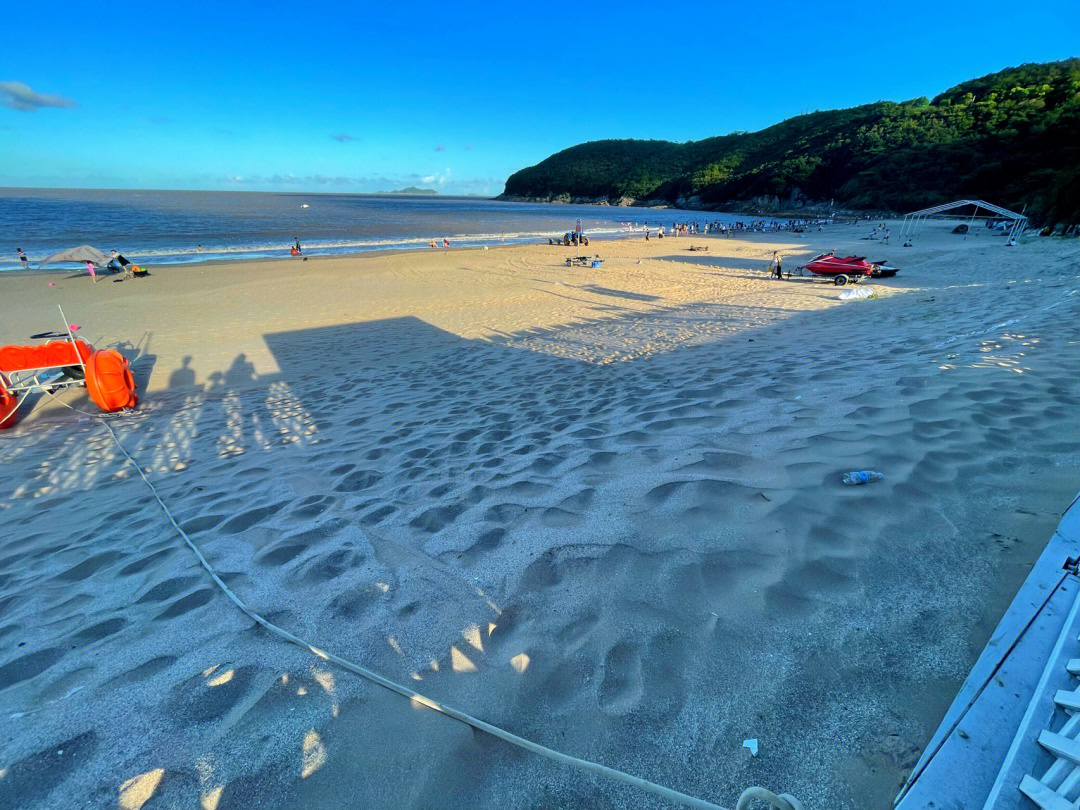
[{"x": 847, "y": 268}]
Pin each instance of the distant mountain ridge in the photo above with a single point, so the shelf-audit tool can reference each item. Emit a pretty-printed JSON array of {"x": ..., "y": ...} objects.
[
  {"x": 1012, "y": 137},
  {"x": 412, "y": 190}
]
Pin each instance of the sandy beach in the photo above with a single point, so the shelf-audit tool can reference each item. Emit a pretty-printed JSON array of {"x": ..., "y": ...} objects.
[{"x": 599, "y": 507}]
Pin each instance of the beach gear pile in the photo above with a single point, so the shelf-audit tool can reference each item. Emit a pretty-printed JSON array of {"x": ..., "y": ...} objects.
[{"x": 58, "y": 364}]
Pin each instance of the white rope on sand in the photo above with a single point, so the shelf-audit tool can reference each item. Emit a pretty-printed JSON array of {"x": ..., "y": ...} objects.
[{"x": 784, "y": 802}]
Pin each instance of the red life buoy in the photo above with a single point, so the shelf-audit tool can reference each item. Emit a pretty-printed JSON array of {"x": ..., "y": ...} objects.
[
  {"x": 60, "y": 353},
  {"x": 53, "y": 353},
  {"x": 8, "y": 410},
  {"x": 65, "y": 353},
  {"x": 42, "y": 355},
  {"x": 109, "y": 381},
  {"x": 84, "y": 349}
]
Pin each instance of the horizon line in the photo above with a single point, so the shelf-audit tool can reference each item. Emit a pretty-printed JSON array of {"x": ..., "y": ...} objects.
[{"x": 241, "y": 191}]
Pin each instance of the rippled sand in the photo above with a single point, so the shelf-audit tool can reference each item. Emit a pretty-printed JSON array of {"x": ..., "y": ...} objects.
[{"x": 599, "y": 507}]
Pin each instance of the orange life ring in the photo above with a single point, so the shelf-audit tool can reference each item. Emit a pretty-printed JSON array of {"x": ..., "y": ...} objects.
[
  {"x": 109, "y": 381},
  {"x": 8, "y": 410}
]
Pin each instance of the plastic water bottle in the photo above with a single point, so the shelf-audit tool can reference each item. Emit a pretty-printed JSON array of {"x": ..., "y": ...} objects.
[{"x": 862, "y": 477}]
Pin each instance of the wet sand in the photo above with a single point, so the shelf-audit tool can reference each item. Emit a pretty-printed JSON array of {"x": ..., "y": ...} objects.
[{"x": 598, "y": 507}]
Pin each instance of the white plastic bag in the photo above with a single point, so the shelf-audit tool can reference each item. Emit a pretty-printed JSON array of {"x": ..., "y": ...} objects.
[{"x": 856, "y": 295}]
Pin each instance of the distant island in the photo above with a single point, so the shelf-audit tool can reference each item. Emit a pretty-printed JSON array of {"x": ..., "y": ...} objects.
[
  {"x": 412, "y": 190},
  {"x": 1010, "y": 137}
]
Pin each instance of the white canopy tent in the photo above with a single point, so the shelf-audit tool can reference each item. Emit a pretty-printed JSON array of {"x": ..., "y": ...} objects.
[
  {"x": 1017, "y": 222},
  {"x": 79, "y": 255}
]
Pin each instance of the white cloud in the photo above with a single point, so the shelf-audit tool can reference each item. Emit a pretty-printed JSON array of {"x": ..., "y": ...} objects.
[
  {"x": 20, "y": 97},
  {"x": 440, "y": 178}
]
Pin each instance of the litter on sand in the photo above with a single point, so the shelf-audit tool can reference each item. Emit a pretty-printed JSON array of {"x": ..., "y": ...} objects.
[
  {"x": 859, "y": 477},
  {"x": 752, "y": 745},
  {"x": 857, "y": 295}
]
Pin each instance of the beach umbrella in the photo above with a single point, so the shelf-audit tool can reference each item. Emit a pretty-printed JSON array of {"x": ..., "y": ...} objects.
[{"x": 81, "y": 254}]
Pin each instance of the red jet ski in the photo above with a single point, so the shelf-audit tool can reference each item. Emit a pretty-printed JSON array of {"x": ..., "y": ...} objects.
[{"x": 848, "y": 268}]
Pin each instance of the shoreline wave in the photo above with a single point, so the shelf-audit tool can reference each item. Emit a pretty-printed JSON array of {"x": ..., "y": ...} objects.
[{"x": 314, "y": 248}]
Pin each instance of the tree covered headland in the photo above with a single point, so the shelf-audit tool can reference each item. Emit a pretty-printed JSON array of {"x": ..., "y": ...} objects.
[{"x": 1011, "y": 137}]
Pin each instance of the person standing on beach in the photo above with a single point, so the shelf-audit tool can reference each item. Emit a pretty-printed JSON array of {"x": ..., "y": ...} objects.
[
  {"x": 117, "y": 263},
  {"x": 22, "y": 258},
  {"x": 297, "y": 245},
  {"x": 90, "y": 270},
  {"x": 777, "y": 265}
]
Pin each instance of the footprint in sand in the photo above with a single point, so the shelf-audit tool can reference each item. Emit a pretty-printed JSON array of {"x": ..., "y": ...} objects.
[{"x": 622, "y": 687}]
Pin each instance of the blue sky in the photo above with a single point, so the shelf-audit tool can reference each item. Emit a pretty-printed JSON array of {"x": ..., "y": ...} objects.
[{"x": 365, "y": 97}]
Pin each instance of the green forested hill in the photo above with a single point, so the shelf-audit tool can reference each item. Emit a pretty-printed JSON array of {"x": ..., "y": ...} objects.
[{"x": 1011, "y": 137}]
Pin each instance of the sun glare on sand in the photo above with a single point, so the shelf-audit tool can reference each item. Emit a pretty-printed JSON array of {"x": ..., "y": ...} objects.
[
  {"x": 313, "y": 754},
  {"x": 137, "y": 790}
]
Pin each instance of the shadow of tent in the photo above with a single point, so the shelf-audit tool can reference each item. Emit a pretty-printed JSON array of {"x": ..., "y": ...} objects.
[
  {"x": 740, "y": 262},
  {"x": 633, "y": 296},
  {"x": 410, "y": 371},
  {"x": 411, "y": 377}
]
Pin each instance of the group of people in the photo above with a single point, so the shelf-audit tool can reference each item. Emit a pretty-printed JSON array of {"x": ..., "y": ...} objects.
[
  {"x": 684, "y": 229},
  {"x": 117, "y": 263},
  {"x": 445, "y": 243},
  {"x": 880, "y": 231},
  {"x": 770, "y": 226},
  {"x": 776, "y": 265},
  {"x": 729, "y": 228}
]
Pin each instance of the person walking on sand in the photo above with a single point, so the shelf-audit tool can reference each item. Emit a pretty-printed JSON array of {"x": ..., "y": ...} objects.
[
  {"x": 777, "y": 265},
  {"x": 22, "y": 258},
  {"x": 885, "y": 239},
  {"x": 90, "y": 270}
]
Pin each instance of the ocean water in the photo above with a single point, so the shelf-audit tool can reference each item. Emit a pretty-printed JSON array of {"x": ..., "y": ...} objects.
[{"x": 171, "y": 227}]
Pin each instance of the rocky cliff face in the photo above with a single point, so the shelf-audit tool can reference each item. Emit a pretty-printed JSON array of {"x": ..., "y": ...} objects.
[{"x": 566, "y": 199}]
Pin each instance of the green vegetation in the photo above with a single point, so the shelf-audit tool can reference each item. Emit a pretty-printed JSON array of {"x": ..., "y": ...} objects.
[{"x": 1011, "y": 137}]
